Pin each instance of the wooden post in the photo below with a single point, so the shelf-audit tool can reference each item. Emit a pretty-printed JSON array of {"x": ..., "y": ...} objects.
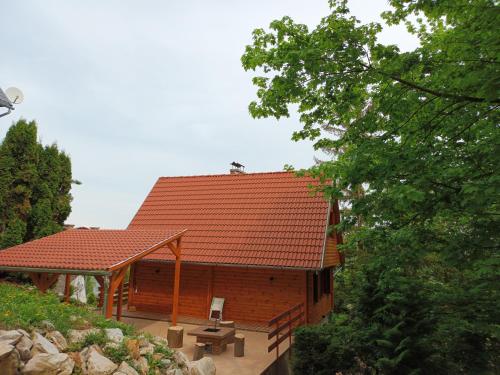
[
  {"x": 120, "y": 302},
  {"x": 239, "y": 345},
  {"x": 131, "y": 287},
  {"x": 105, "y": 288},
  {"x": 100, "y": 281},
  {"x": 199, "y": 351},
  {"x": 210, "y": 289},
  {"x": 115, "y": 279},
  {"x": 177, "y": 276},
  {"x": 175, "y": 336},
  {"x": 67, "y": 288}
]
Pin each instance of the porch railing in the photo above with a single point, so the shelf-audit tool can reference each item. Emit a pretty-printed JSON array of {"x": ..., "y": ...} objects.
[
  {"x": 282, "y": 326},
  {"x": 125, "y": 294}
]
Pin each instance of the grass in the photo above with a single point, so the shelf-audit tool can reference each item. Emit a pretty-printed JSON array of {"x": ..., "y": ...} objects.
[{"x": 23, "y": 306}]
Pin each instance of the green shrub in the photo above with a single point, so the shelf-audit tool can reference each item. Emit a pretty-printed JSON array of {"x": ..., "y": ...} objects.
[
  {"x": 117, "y": 354},
  {"x": 25, "y": 307}
]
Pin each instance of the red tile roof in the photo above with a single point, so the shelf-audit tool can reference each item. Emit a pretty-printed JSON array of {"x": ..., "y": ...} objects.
[
  {"x": 257, "y": 219},
  {"x": 84, "y": 249}
]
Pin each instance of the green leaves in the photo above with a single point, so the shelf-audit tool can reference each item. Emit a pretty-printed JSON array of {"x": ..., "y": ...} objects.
[
  {"x": 414, "y": 144},
  {"x": 35, "y": 184}
]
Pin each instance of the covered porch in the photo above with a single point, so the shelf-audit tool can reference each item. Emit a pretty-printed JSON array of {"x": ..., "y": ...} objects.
[{"x": 105, "y": 254}]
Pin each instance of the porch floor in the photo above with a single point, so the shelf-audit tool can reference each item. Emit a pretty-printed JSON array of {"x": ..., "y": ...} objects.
[
  {"x": 256, "y": 358},
  {"x": 186, "y": 319}
]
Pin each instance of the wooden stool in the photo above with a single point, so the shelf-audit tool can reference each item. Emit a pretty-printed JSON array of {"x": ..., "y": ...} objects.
[
  {"x": 199, "y": 351},
  {"x": 228, "y": 324},
  {"x": 175, "y": 336},
  {"x": 239, "y": 345}
]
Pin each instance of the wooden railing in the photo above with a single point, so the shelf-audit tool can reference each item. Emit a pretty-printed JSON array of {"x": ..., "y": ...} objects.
[
  {"x": 282, "y": 327},
  {"x": 125, "y": 294}
]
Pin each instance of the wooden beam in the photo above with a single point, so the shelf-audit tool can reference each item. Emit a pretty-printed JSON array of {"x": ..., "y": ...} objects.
[
  {"x": 146, "y": 252},
  {"x": 120, "y": 301},
  {"x": 100, "y": 281},
  {"x": 131, "y": 286},
  {"x": 210, "y": 289},
  {"x": 115, "y": 280},
  {"x": 175, "y": 302},
  {"x": 43, "y": 281},
  {"x": 67, "y": 288},
  {"x": 173, "y": 248}
]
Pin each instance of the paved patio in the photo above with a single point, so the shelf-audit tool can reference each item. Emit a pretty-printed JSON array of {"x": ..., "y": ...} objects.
[{"x": 256, "y": 358}]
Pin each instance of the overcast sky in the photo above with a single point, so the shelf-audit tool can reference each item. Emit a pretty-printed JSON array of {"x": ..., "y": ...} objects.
[{"x": 134, "y": 90}]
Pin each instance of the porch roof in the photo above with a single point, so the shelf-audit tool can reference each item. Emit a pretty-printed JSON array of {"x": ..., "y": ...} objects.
[{"x": 92, "y": 251}]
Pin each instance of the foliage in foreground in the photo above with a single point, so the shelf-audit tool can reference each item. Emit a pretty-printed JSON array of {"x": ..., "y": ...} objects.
[
  {"x": 416, "y": 159},
  {"x": 35, "y": 184},
  {"x": 25, "y": 307}
]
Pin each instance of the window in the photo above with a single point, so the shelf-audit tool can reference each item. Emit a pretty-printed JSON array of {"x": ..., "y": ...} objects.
[{"x": 322, "y": 284}]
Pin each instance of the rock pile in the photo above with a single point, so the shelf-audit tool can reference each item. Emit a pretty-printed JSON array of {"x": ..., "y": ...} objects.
[{"x": 48, "y": 352}]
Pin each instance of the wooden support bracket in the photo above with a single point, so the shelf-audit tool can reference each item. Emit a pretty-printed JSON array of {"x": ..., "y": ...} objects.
[{"x": 43, "y": 281}]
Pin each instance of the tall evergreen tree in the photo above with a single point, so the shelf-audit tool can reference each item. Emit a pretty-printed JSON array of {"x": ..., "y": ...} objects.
[{"x": 35, "y": 184}]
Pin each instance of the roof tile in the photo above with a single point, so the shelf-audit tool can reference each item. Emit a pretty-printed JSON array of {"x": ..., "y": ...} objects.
[{"x": 265, "y": 219}]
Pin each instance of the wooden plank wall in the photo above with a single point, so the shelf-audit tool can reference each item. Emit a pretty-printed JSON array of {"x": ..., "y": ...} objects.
[{"x": 251, "y": 295}]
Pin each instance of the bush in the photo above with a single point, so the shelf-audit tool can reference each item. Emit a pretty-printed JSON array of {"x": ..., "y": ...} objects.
[{"x": 320, "y": 349}]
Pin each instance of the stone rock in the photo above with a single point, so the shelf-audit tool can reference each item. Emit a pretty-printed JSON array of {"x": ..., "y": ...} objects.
[
  {"x": 142, "y": 365},
  {"x": 166, "y": 362},
  {"x": 126, "y": 369},
  {"x": 160, "y": 341},
  {"x": 9, "y": 359},
  {"x": 76, "y": 336},
  {"x": 49, "y": 364},
  {"x": 47, "y": 325},
  {"x": 24, "y": 333},
  {"x": 204, "y": 366},
  {"x": 97, "y": 364},
  {"x": 174, "y": 371},
  {"x": 148, "y": 349},
  {"x": 77, "y": 358},
  {"x": 10, "y": 337},
  {"x": 119, "y": 373},
  {"x": 84, "y": 354},
  {"x": 58, "y": 340},
  {"x": 24, "y": 348},
  {"x": 42, "y": 345},
  {"x": 181, "y": 359},
  {"x": 114, "y": 334},
  {"x": 111, "y": 345},
  {"x": 133, "y": 348},
  {"x": 143, "y": 341}
]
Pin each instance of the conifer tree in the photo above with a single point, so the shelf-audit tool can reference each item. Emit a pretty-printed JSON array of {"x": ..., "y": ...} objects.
[{"x": 35, "y": 184}]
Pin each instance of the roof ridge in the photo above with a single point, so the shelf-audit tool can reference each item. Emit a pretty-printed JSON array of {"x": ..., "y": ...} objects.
[{"x": 229, "y": 174}]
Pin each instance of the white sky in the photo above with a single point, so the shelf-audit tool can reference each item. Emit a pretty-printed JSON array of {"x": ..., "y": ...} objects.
[{"x": 134, "y": 90}]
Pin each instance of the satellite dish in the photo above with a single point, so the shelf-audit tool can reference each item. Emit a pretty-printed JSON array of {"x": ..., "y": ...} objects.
[{"x": 15, "y": 95}]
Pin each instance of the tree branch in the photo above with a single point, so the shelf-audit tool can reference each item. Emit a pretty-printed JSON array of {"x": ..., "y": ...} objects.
[{"x": 431, "y": 91}]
